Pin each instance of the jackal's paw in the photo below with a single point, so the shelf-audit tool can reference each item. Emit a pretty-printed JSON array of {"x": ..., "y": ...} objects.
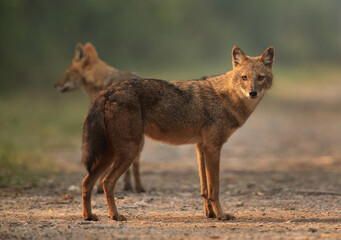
[
  {"x": 139, "y": 189},
  {"x": 226, "y": 217},
  {"x": 210, "y": 215},
  {"x": 91, "y": 217},
  {"x": 118, "y": 218}
]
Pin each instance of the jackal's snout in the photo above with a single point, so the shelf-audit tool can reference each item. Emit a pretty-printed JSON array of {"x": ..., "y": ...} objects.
[
  {"x": 253, "y": 93},
  {"x": 61, "y": 86}
]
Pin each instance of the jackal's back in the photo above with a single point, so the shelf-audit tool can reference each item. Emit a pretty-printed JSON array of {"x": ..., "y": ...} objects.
[{"x": 175, "y": 112}]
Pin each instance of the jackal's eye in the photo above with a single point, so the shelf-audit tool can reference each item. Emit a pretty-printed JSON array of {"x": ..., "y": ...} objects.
[
  {"x": 244, "y": 78},
  {"x": 260, "y": 78}
]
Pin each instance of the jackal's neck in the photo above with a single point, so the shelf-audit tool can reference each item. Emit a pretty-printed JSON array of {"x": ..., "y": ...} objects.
[
  {"x": 106, "y": 74},
  {"x": 97, "y": 79},
  {"x": 232, "y": 97}
]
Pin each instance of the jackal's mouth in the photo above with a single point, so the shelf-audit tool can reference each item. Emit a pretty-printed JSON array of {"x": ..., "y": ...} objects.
[{"x": 62, "y": 89}]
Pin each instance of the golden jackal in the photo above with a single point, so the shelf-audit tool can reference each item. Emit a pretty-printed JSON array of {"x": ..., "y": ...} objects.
[
  {"x": 203, "y": 112},
  {"x": 88, "y": 71}
]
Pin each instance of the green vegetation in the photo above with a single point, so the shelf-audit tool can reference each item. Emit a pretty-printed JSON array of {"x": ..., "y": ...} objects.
[
  {"x": 35, "y": 126},
  {"x": 313, "y": 80},
  {"x": 23, "y": 167},
  {"x": 38, "y": 37}
]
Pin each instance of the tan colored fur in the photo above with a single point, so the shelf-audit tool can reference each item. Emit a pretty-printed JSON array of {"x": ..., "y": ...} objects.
[
  {"x": 203, "y": 112},
  {"x": 89, "y": 72}
]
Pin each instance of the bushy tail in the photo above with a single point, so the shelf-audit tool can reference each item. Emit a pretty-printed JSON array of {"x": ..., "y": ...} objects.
[{"x": 94, "y": 133}]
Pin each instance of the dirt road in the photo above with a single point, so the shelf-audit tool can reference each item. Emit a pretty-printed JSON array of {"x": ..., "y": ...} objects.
[{"x": 280, "y": 177}]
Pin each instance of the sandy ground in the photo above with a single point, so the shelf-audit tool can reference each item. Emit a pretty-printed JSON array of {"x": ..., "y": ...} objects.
[{"x": 280, "y": 177}]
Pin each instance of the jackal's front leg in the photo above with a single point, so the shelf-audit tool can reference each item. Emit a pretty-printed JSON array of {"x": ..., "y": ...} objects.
[
  {"x": 212, "y": 160},
  {"x": 203, "y": 181}
]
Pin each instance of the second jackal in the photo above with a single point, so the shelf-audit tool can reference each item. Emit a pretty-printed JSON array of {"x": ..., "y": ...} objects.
[{"x": 89, "y": 72}]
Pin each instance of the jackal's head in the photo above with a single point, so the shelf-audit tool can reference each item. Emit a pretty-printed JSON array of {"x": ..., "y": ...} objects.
[
  {"x": 75, "y": 74},
  {"x": 252, "y": 76}
]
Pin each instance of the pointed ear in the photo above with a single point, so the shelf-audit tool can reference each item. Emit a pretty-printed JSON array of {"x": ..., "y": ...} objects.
[
  {"x": 238, "y": 56},
  {"x": 268, "y": 57},
  {"x": 90, "y": 51},
  {"x": 79, "y": 52}
]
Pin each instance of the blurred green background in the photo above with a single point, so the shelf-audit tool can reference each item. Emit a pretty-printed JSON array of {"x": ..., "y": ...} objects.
[{"x": 169, "y": 39}]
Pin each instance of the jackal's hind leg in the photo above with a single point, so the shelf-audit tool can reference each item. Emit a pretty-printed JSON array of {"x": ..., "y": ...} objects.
[
  {"x": 136, "y": 170},
  {"x": 127, "y": 186},
  {"x": 123, "y": 159},
  {"x": 136, "y": 173},
  {"x": 87, "y": 186},
  {"x": 99, "y": 183}
]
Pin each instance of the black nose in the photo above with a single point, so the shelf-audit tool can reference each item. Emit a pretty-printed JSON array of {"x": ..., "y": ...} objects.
[{"x": 253, "y": 93}]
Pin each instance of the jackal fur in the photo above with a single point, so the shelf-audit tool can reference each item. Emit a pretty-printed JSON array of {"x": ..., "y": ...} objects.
[{"x": 202, "y": 112}]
